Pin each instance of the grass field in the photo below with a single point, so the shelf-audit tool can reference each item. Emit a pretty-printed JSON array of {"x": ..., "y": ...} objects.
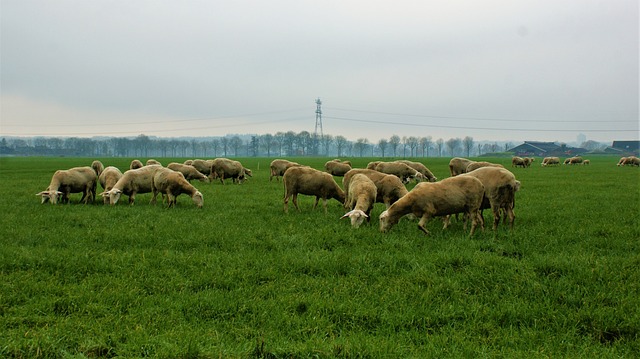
[{"x": 239, "y": 278}]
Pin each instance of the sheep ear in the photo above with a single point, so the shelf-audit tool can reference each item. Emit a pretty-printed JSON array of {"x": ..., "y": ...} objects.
[
  {"x": 346, "y": 214},
  {"x": 43, "y": 193}
]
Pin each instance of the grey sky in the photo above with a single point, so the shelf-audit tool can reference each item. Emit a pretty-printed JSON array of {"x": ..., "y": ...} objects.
[{"x": 493, "y": 70}]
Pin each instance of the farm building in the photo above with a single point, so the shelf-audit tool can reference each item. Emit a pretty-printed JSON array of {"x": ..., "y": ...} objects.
[
  {"x": 624, "y": 147},
  {"x": 545, "y": 149}
]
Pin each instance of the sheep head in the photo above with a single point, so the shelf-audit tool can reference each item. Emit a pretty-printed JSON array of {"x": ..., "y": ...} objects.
[
  {"x": 385, "y": 223},
  {"x": 49, "y": 196},
  {"x": 113, "y": 195},
  {"x": 357, "y": 216},
  {"x": 198, "y": 199}
]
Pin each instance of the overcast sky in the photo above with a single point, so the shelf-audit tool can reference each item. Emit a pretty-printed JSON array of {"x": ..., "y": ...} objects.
[{"x": 543, "y": 70}]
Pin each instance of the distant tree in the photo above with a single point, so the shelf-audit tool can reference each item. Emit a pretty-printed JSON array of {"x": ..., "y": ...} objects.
[
  {"x": 235, "y": 142},
  {"x": 224, "y": 141},
  {"x": 453, "y": 144},
  {"x": 413, "y": 142},
  {"x": 382, "y": 145},
  {"x": 440, "y": 144},
  {"x": 425, "y": 142},
  {"x": 267, "y": 142},
  {"x": 215, "y": 146},
  {"x": 341, "y": 144},
  {"x": 305, "y": 142},
  {"x": 255, "y": 145},
  {"x": 289, "y": 142},
  {"x": 361, "y": 145},
  {"x": 394, "y": 141},
  {"x": 507, "y": 146},
  {"x": 184, "y": 146},
  {"x": 279, "y": 138},
  {"x": 55, "y": 143},
  {"x": 467, "y": 142},
  {"x": 327, "y": 140}
]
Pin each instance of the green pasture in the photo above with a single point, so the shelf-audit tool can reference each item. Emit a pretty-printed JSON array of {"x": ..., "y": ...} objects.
[{"x": 241, "y": 279}]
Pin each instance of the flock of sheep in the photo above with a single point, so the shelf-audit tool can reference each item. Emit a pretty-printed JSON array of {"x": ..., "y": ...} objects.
[{"x": 472, "y": 187}]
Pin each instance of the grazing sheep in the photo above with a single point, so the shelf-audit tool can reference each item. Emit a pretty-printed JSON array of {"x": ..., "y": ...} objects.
[
  {"x": 223, "y": 168},
  {"x": 189, "y": 172},
  {"x": 576, "y": 160},
  {"x": 460, "y": 194},
  {"x": 566, "y": 161},
  {"x": 389, "y": 187},
  {"x": 586, "y": 162},
  {"x": 151, "y": 161},
  {"x": 337, "y": 168},
  {"x": 518, "y": 162},
  {"x": 309, "y": 181},
  {"x": 458, "y": 165},
  {"x": 475, "y": 165},
  {"x": 188, "y": 162},
  {"x": 622, "y": 161},
  {"x": 108, "y": 178},
  {"x": 401, "y": 170},
  {"x": 74, "y": 180},
  {"x": 279, "y": 166},
  {"x": 204, "y": 167},
  {"x": 135, "y": 164},
  {"x": 500, "y": 187},
  {"x": 549, "y": 161},
  {"x": 173, "y": 184},
  {"x": 372, "y": 165},
  {"x": 132, "y": 182},
  {"x": 629, "y": 161},
  {"x": 428, "y": 175},
  {"x": 97, "y": 166},
  {"x": 361, "y": 198}
]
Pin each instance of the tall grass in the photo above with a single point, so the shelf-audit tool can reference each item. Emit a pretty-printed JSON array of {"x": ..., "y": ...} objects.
[{"x": 239, "y": 278}]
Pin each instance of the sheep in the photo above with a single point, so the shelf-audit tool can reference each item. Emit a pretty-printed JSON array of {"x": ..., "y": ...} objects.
[
  {"x": 622, "y": 161},
  {"x": 135, "y": 164},
  {"x": 151, "y": 161},
  {"x": 309, "y": 181},
  {"x": 372, "y": 165},
  {"x": 173, "y": 184},
  {"x": 361, "y": 198},
  {"x": 279, "y": 166},
  {"x": 225, "y": 168},
  {"x": 458, "y": 165},
  {"x": 630, "y": 161},
  {"x": 337, "y": 168},
  {"x": 97, "y": 166},
  {"x": 475, "y": 165},
  {"x": 528, "y": 161},
  {"x": 500, "y": 186},
  {"x": 73, "y": 180},
  {"x": 203, "y": 166},
  {"x": 389, "y": 187},
  {"x": 548, "y": 161},
  {"x": 188, "y": 162},
  {"x": 108, "y": 178},
  {"x": 189, "y": 172},
  {"x": 428, "y": 175},
  {"x": 401, "y": 170},
  {"x": 459, "y": 194},
  {"x": 566, "y": 161},
  {"x": 574, "y": 160},
  {"x": 518, "y": 162},
  {"x": 132, "y": 182},
  {"x": 586, "y": 162}
]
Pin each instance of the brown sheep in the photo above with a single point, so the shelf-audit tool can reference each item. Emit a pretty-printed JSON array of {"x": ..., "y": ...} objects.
[
  {"x": 279, "y": 166},
  {"x": 135, "y": 164},
  {"x": 475, "y": 165},
  {"x": 401, "y": 170},
  {"x": 361, "y": 198},
  {"x": 108, "y": 178},
  {"x": 576, "y": 160},
  {"x": 630, "y": 161},
  {"x": 586, "y": 162},
  {"x": 518, "y": 162},
  {"x": 172, "y": 184},
  {"x": 548, "y": 161},
  {"x": 151, "y": 161},
  {"x": 458, "y": 165},
  {"x": 309, "y": 181},
  {"x": 460, "y": 194},
  {"x": 428, "y": 175},
  {"x": 500, "y": 186},
  {"x": 389, "y": 187},
  {"x": 189, "y": 172},
  {"x": 132, "y": 182},
  {"x": 337, "y": 168},
  {"x": 224, "y": 168},
  {"x": 203, "y": 166},
  {"x": 74, "y": 180}
]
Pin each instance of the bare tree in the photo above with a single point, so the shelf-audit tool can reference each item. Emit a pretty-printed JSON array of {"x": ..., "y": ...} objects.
[
  {"x": 440, "y": 144},
  {"x": 425, "y": 143},
  {"x": 412, "y": 141},
  {"x": 341, "y": 143},
  {"x": 453, "y": 144},
  {"x": 361, "y": 145},
  {"x": 382, "y": 145},
  {"x": 468, "y": 145},
  {"x": 327, "y": 140},
  {"x": 394, "y": 141}
]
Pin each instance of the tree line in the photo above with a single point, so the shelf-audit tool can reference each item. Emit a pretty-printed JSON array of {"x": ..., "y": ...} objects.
[{"x": 269, "y": 145}]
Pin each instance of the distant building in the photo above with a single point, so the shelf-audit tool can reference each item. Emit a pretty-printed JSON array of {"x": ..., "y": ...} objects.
[
  {"x": 545, "y": 149},
  {"x": 624, "y": 147}
]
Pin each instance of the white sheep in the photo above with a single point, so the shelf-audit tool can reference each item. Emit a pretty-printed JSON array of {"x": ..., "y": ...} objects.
[
  {"x": 548, "y": 161},
  {"x": 188, "y": 171},
  {"x": 223, "y": 168},
  {"x": 132, "y": 182},
  {"x": 74, "y": 180},
  {"x": 401, "y": 170},
  {"x": 428, "y": 175},
  {"x": 108, "y": 178},
  {"x": 361, "y": 198},
  {"x": 337, "y": 168},
  {"x": 475, "y": 165},
  {"x": 151, "y": 161},
  {"x": 279, "y": 166},
  {"x": 500, "y": 187},
  {"x": 135, "y": 164},
  {"x": 172, "y": 184},
  {"x": 203, "y": 166},
  {"x": 460, "y": 194},
  {"x": 518, "y": 162},
  {"x": 389, "y": 187},
  {"x": 458, "y": 165},
  {"x": 309, "y": 181}
]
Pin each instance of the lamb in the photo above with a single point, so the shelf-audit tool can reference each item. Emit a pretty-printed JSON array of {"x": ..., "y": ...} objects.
[
  {"x": 548, "y": 161},
  {"x": 586, "y": 162},
  {"x": 459, "y": 194},
  {"x": 189, "y": 172},
  {"x": 420, "y": 168},
  {"x": 500, "y": 186},
  {"x": 336, "y": 168},
  {"x": 225, "y": 168},
  {"x": 279, "y": 166},
  {"x": 475, "y": 165},
  {"x": 135, "y": 164},
  {"x": 458, "y": 165},
  {"x": 108, "y": 178},
  {"x": 74, "y": 180},
  {"x": 151, "y": 161},
  {"x": 389, "y": 187},
  {"x": 518, "y": 162},
  {"x": 173, "y": 184},
  {"x": 132, "y": 182},
  {"x": 401, "y": 170},
  {"x": 309, "y": 181},
  {"x": 361, "y": 198}
]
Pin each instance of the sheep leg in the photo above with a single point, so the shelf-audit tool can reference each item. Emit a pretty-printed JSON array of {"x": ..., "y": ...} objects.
[
  {"x": 496, "y": 217},
  {"x": 315, "y": 204},
  {"x": 286, "y": 204},
  {"x": 132, "y": 198},
  {"x": 295, "y": 201},
  {"x": 421, "y": 224},
  {"x": 474, "y": 221},
  {"x": 511, "y": 215}
]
